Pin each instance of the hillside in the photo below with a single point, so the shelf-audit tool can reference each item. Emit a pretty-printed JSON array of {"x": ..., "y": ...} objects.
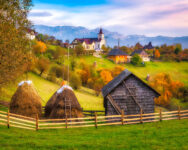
[
  {"x": 171, "y": 135},
  {"x": 71, "y": 32},
  {"x": 46, "y": 89},
  {"x": 178, "y": 70}
]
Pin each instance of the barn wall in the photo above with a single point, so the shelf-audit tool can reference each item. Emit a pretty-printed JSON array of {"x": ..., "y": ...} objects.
[{"x": 144, "y": 95}]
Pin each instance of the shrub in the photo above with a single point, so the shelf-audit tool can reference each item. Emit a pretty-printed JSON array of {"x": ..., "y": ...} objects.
[
  {"x": 136, "y": 60},
  {"x": 75, "y": 81},
  {"x": 43, "y": 64}
]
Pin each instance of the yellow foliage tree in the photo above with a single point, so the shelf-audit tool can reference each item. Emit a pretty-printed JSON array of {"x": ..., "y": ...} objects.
[
  {"x": 106, "y": 76},
  {"x": 168, "y": 88},
  {"x": 117, "y": 70},
  {"x": 39, "y": 47}
]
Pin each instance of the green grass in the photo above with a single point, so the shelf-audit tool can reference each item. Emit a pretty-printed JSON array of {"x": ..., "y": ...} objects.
[
  {"x": 166, "y": 135},
  {"x": 178, "y": 70},
  {"x": 46, "y": 89}
]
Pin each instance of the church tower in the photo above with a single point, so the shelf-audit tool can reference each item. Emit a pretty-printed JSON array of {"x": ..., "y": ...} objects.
[{"x": 101, "y": 38}]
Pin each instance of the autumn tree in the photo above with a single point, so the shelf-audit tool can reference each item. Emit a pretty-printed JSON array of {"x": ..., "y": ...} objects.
[
  {"x": 117, "y": 70},
  {"x": 138, "y": 46},
  {"x": 43, "y": 64},
  {"x": 14, "y": 45},
  {"x": 39, "y": 47},
  {"x": 79, "y": 49},
  {"x": 157, "y": 54},
  {"x": 168, "y": 88},
  {"x": 105, "y": 49},
  {"x": 75, "y": 81},
  {"x": 106, "y": 76}
]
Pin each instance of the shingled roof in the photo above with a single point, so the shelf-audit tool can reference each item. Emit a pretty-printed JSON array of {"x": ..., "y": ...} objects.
[
  {"x": 117, "y": 80},
  {"x": 88, "y": 40},
  {"x": 116, "y": 52},
  {"x": 139, "y": 51}
]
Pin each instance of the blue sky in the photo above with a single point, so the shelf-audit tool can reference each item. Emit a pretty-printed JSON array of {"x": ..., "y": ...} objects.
[{"x": 145, "y": 17}]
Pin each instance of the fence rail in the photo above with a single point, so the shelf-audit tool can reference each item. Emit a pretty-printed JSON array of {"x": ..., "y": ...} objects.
[{"x": 14, "y": 120}]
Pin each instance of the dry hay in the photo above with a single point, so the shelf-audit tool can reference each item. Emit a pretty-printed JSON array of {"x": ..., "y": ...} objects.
[
  {"x": 55, "y": 107},
  {"x": 26, "y": 101}
]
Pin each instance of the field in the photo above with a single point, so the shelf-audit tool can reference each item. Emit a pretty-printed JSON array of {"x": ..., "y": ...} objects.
[
  {"x": 178, "y": 70},
  {"x": 46, "y": 89},
  {"x": 171, "y": 135}
]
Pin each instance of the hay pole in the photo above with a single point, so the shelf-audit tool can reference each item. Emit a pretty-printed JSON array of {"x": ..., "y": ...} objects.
[
  {"x": 122, "y": 117},
  {"x": 8, "y": 119},
  {"x": 37, "y": 122},
  {"x": 95, "y": 119}
]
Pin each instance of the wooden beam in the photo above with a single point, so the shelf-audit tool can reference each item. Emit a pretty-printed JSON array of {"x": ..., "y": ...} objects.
[
  {"x": 131, "y": 94},
  {"x": 115, "y": 106}
]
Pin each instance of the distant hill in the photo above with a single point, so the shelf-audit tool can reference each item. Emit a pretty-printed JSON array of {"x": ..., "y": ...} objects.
[{"x": 71, "y": 32}]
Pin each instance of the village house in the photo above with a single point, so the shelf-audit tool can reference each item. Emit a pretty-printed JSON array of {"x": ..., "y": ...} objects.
[
  {"x": 145, "y": 57},
  {"x": 31, "y": 34},
  {"x": 117, "y": 56},
  {"x": 90, "y": 43},
  {"x": 129, "y": 93}
]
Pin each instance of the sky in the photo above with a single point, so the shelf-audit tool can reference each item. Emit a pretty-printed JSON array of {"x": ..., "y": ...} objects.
[{"x": 141, "y": 17}]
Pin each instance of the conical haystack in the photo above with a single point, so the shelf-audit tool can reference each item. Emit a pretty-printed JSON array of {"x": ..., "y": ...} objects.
[
  {"x": 62, "y": 103},
  {"x": 26, "y": 101}
]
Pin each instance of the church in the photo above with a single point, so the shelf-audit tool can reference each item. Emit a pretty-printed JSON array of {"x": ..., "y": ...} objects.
[{"x": 90, "y": 43}]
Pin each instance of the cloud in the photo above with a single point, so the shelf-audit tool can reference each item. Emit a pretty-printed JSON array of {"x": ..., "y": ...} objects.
[
  {"x": 147, "y": 17},
  {"x": 40, "y": 14}
]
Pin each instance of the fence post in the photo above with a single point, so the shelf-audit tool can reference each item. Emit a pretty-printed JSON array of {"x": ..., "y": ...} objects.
[
  {"x": 141, "y": 121},
  {"x": 8, "y": 119},
  {"x": 160, "y": 113},
  {"x": 66, "y": 122},
  {"x": 179, "y": 116},
  {"x": 122, "y": 117},
  {"x": 96, "y": 119},
  {"x": 37, "y": 124}
]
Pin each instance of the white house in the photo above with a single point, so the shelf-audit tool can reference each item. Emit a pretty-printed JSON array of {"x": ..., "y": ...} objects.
[{"x": 90, "y": 43}]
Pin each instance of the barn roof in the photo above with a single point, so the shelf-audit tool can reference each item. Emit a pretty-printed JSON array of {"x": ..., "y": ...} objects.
[
  {"x": 117, "y": 80},
  {"x": 116, "y": 52}
]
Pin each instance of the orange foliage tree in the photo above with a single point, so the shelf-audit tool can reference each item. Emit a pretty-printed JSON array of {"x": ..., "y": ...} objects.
[
  {"x": 117, "y": 70},
  {"x": 157, "y": 54},
  {"x": 106, "y": 76},
  {"x": 39, "y": 47},
  {"x": 168, "y": 88}
]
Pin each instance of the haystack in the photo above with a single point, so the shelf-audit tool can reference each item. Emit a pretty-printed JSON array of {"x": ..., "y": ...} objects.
[
  {"x": 26, "y": 100},
  {"x": 63, "y": 103}
]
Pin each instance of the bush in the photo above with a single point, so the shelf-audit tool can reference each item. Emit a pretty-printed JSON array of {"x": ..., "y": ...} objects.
[
  {"x": 75, "y": 81},
  {"x": 57, "y": 71},
  {"x": 136, "y": 60}
]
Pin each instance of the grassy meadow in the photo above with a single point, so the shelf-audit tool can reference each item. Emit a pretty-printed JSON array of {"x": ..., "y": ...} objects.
[
  {"x": 178, "y": 70},
  {"x": 46, "y": 89},
  {"x": 165, "y": 135}
]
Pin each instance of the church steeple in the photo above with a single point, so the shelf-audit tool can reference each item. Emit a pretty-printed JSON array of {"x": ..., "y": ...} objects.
[{"x": 101, "y": 34}]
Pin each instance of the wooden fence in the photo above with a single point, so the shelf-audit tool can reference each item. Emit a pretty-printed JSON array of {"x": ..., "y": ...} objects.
[{"x": 13, "y": 120}]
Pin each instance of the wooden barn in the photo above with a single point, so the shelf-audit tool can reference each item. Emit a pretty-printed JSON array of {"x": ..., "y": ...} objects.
[{"x": 128, "y": 93}]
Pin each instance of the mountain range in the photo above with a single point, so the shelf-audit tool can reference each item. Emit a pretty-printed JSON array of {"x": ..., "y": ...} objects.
[{"x": 72, "y": 32}]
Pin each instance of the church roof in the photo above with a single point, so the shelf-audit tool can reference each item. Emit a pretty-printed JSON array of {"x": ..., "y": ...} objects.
[
  {"x": 88, "y": 40},
  {"x": 116, "y": 52}
]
